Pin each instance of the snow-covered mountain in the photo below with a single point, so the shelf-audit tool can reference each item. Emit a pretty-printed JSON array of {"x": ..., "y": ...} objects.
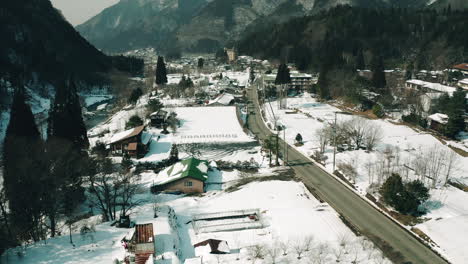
[{"x": 200, "y": 25}]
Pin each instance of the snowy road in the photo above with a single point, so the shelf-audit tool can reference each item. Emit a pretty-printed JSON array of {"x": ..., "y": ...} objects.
[{"x": 361, "y": 214}]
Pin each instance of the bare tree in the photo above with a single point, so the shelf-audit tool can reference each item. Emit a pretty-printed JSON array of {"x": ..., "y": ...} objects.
[
  {"x": 256, "y": 252},
  {"x": 372, "y": 136},
  {"x": 355, "y": 129},
  {"x": 284, "y": 245},
  {"x": 127, "y": 186},
  {"x": 273, "y": 253},
  {"x": 323, "y": 137},
  {"x": 338, "y": 253},
  {"x": 451, "y": 165},
  {"x": 343, "y": 240},
  {"x": 299, "y": 248},
  {"x": 320, "y": 253},
  {"x": 436, "y": 164},
  {"x": 308, "y": 240},
  {"x": 112, "y": 191}
]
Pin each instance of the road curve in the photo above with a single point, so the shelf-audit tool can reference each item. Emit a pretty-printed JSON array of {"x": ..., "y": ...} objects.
[{"x": 362, "y": 215}]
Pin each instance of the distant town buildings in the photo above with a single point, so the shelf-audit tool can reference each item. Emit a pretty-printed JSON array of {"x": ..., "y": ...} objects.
[{"x": 299, "y": 81}]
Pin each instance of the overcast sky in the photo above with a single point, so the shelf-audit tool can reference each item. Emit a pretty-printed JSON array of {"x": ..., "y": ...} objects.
[{"x": 78, "y": 11}]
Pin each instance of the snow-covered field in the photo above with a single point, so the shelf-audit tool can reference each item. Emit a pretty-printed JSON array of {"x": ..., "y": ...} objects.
[
  {"x": 278, "y": 202},
  {"x": 404, "y": 146},
  {"x": 209, "y": 124}
]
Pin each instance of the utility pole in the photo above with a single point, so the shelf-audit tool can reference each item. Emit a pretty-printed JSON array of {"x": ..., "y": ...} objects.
[
  {"x": 285, "y": 151},
  {"x": 334, "y": 137},
  {"x": 277, "y": 146},
  {"x": 334, "y": 144}
]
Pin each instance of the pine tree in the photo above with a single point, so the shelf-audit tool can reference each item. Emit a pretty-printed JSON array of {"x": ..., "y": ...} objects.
[
  {"x": 67, "y": 139},
  {"x": 283, "y": 76},
  {"x": 409, "y": 71},
  {"x": 23, "y": 165},
  {"x": 174, "y": 154},
  {"x": 161, "y": 72},
  {"x": 251, "y": 74},
  {"x": 456, "y": 110},
  {"x": 360, "y": 63},
  {"x": 323, "y": 90},
  {"x": 201, "y": 62},
  {"x": 378, "y": 72},
  {"x": 65, "y": 118},
  {"x": 391, "y": 189}
]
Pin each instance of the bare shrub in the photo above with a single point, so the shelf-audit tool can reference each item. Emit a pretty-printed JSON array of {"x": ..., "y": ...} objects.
[
  {"x": 348, "y": 170},
  {"x": 284, "y": 245},
  {"x": 372, "y": 136},
  {"x": 273, "y": 253},
  {"x": 257, "y": 252}
]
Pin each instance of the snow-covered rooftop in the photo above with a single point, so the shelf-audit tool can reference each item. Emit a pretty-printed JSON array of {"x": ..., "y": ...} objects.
[
  {"x": 224, "y": 99},
  {"x": 191, "y": 167},
  {"x": 433, "y": 86},
  {"x": 438, "y": 117}
]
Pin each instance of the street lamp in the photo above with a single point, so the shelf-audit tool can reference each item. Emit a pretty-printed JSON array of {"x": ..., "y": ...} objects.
[{"x": 334, "y": 137}]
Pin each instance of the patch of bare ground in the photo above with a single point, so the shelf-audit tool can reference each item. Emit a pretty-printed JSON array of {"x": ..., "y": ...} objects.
[
  {"x": 280, "y": 174},
  {"x": 458, "y": 185},
  {"x": 423, "y": 235}
]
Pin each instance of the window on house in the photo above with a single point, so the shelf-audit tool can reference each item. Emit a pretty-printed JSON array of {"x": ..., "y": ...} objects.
[{"x": 188, "y": 184}]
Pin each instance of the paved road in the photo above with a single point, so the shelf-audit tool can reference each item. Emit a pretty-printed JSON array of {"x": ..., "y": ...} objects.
[{"x": 362, "y": 215}]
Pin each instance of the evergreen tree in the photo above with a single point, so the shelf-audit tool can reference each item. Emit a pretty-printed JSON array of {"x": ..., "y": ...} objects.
[
  {"x": 126, "y": 163},
  {"x": 392, "y": 189},
  {"x": 299, "y": 138},
  {"x": 360, "y": 63},
  {"x": 65, "y": 158},
  {"x": 185, "y": 82},
  {"x": 23, "y": 165},
  {"x": 420, "y": 192},
  {"x": 133, "y": 121},
  {"x": 323, "y": 91},
  {"x": 174, "y": 154},
  {"x": 201, "y": 62},
  {"x": 456, "y": 111},
  {"x": 251, "y": 74},
  {"x": 283, "y": 76},
  {"x": 378, "y": 72},
  {"x": 135, "y": 95},
  {"x": 161, "y": 72},
  {"x": 65, "y": 118},
  {"x": 409, "y": 71},
  {"x": 154, "y": 105}
]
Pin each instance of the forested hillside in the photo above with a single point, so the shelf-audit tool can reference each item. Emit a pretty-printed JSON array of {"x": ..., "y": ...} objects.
[
  {"x": 427, "y": 38},
  {"x": 41, "y": 46}
]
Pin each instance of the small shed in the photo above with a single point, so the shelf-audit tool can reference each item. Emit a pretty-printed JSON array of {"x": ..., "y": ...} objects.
[
  {"x": 142, "y": 243},
  {"x": 158, "y": 118},
  {"x": 437, "y": 121}
]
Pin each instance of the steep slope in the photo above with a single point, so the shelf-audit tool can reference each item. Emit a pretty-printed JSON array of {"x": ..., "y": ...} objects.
[
  {"x": 134, "y": 24},
  {"x": 202, "y": 25},
  {"x": 453, "y": 4},
  {"x": 37, "y": 39}
]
